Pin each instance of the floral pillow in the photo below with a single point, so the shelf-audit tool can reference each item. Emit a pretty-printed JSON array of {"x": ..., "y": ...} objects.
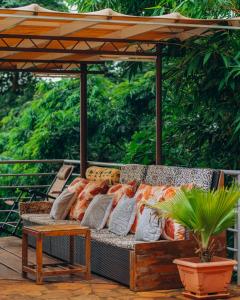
[
  {"x": 172, "y": 230},
  {"x": 85, "y": 197},
  {"x": 77, "y": 185},
  {"x": 120, "y": 189},
  {"x": 147, "y": 192}
]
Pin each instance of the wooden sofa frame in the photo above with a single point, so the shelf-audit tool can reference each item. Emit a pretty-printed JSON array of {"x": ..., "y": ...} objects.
[
  {"x": 148, "y": 266},
  {"x": 151, "y": 264}
]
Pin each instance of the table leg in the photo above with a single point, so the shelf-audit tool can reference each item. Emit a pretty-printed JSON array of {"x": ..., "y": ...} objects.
[
  {"x": 24, "y": 253},
  {"x": 39, "y": 259},
  {"x": 88, "y": 255},
  {"x": 71, "y": 249}
]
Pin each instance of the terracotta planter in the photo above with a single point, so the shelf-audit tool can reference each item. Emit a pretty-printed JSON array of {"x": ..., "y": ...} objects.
[{"x": 205, "y": 280}]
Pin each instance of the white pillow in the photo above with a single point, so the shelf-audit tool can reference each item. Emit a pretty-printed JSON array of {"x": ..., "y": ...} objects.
[
  {"x": 98, "y": 211},
  {"x": 123, "y": 216},
  {"x": 149, "y": 226}
]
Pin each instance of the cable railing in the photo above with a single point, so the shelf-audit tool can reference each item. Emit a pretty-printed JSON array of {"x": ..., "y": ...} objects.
[
  {"x": 16, "y": 175},
  {"x": 41, "y": 181},
  {"x": 12, "y": 185},
  {"x": 234, "y": 246}
]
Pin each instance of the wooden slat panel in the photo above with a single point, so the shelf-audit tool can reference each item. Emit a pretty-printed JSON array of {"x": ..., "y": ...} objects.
[{"x": 153, "y": 262}]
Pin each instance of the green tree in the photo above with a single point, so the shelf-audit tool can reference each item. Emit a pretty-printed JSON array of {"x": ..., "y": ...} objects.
[
  {"x": 16, "y": 88},
  {"x": 200, "y": 105},
  {"x": 53, "y": 4},
  {"x": 191, "y": 8}
]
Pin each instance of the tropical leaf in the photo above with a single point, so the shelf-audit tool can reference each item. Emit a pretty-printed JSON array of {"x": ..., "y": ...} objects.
[{"x": 205, "y": 213}]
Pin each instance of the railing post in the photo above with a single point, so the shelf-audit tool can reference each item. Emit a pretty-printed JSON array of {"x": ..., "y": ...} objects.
[
  {"x": 159, "y": 105},
  {"x": 83, "y": 120},
  {"x": 238, "y": 237}
]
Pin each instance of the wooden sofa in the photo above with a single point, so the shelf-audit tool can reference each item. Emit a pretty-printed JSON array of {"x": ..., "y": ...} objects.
[{"x": 140, "y": 265}]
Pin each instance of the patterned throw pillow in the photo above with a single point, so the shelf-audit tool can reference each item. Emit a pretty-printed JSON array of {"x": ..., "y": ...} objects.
[
  {"x": 77, "y": 185},
  {"x": 146, "y": 192},
  {"x": 111, "y": 175},
  {"x": 94, "y": 173},
  {"x": 85, "y": 197},
  {"x": 172, "y": 230},
  {"x": 118, "y": 190}
]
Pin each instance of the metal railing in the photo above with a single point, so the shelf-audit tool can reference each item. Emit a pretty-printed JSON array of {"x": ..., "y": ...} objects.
[
  {"x": 55, "y": 164},
  {"x": 235, "y": 231},
  {"x": 10, "y": 181},
  {"x": 14, "y": 176}
]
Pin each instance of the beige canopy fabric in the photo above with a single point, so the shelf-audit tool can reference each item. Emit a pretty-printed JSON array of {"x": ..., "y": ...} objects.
[{"x": 34, "y": 38}]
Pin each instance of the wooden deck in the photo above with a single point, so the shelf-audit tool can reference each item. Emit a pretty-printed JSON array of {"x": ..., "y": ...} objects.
[{"x": 14, "y": 287}]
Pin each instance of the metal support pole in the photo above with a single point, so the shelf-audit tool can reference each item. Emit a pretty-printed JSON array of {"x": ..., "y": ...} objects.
[
  {"x": 83, "y": 121},
  {"x": 238, "y": 237},
  {"x": 159, "y": 105}
]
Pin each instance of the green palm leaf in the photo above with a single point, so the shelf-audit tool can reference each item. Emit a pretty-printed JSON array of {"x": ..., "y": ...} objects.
[{"x": 204, "y": 213}]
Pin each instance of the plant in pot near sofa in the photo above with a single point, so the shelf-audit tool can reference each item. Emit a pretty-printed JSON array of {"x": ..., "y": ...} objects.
[{"x": 205, "y": 214}]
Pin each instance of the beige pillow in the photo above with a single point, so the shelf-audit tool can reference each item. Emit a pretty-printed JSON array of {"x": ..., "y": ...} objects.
[
  {"x": 62, "y": 205},
  {"x": 98, "y": 211}
]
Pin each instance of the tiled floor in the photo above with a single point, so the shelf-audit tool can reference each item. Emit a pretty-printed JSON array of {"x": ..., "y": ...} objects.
[{"x": 14, "y": 287}]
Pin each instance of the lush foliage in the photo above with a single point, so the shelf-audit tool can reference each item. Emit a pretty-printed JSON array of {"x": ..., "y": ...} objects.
[
  {"x": 205, "y": 214},
  {"x": 17, "y": 88},
  {"x": 200, "y": 105},
  {"x": 48, "y": 126},
  {"x": 53, "y": 4}
]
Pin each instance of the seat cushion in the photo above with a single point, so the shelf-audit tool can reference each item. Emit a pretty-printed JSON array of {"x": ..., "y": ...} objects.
[
  {"x": 112, "y": 239},
  {"x": 64, "y": 171},
  {"x": 133, "y": 172},
  {"x": 177, "y": 176},
  {"x": 45, "y": 219},
  {"x": 103, "y": 235}
]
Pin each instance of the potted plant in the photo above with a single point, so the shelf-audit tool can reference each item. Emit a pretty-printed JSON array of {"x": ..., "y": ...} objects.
[{"x": 205, "y": 214}]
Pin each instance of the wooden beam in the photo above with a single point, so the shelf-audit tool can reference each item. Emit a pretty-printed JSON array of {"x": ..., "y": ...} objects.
[
  {"x": 159, "y": 105},
  {"x": 114, "y": 39},
  {"x": 83, "y": 121},
  {"x": 120, "y": 34},
  {"x": 52, "y": 71},
  {"x": 61, "y": 31},
  {"x": 75, "y": 51}
]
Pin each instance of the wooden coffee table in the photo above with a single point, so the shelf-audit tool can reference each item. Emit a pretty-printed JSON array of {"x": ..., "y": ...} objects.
[{"x": 41, "y": 270}]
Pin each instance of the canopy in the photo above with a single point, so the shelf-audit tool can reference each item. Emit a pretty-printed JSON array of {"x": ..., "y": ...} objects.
[{"x": 33, "y": 38}]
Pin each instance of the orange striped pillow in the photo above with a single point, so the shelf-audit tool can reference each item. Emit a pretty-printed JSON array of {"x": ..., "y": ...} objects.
[{"x": 92, "y": 189}]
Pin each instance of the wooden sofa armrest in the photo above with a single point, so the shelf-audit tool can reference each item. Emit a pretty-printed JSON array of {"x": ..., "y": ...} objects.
[{"x": 36, "y": 207}]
